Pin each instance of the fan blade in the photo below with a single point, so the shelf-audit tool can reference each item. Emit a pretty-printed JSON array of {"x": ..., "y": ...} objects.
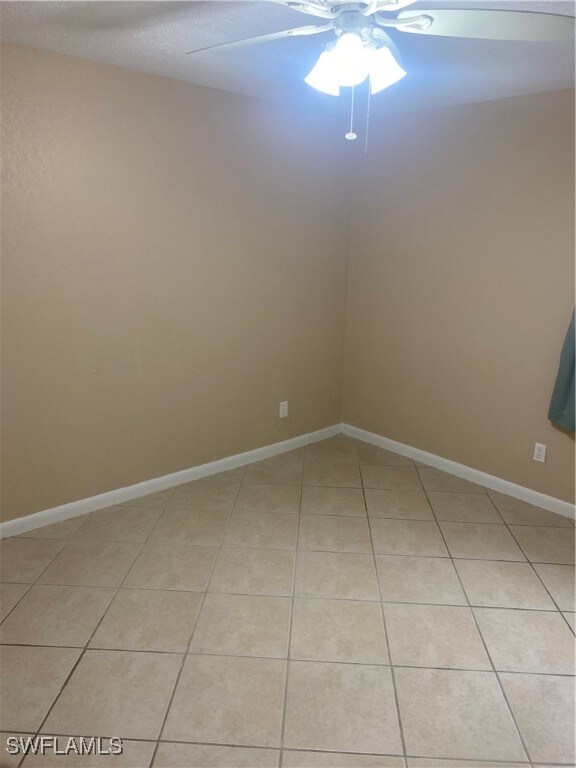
[
  {"x": 313, "y": 9},
  {"x": 488, "y": 25},
  {"x": 297, "y": 31},
  {"x": 390, "y": 6}
]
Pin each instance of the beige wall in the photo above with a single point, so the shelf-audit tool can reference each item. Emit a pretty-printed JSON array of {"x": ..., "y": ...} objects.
[
  {"x": 175, "y": 264},
  {"x": 462, "y": 285}
]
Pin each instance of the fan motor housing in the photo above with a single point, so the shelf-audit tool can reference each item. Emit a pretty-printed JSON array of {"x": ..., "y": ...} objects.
[{"x": 353, "y": 21}]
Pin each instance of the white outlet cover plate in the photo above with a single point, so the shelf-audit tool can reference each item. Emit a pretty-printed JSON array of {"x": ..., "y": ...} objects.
[{"x": 539, "y": 452}]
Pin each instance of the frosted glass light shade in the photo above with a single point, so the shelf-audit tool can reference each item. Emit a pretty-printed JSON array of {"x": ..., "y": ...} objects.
[
  {"x": 323, "y": 75},
  {"x": 348, "y": 58},
  {"x": 350, "y": 62},
  {"x": 384, "y": 70}
]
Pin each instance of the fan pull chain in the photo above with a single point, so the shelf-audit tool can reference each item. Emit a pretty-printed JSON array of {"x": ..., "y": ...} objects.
[
  {"x": 367, "y": 120},
  {"x": 351, "y": 136}
]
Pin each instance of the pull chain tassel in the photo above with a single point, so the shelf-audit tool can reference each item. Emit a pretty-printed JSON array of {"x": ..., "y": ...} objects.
[{"x": 351, "y": 136}]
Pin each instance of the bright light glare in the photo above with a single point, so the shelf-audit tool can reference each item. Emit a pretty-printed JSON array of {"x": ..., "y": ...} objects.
[
  {"x": 349, "y": 60},
  {"x": 323, "y": 77},
  {"x": 383, "y": 68},
  {"x": 349, "y": 63}
]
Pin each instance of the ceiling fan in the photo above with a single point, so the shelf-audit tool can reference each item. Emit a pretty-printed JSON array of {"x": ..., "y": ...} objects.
[{"x": 363, "y": 50}]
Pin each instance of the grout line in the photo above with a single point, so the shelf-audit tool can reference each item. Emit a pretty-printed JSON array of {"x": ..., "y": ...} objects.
[
  {"x": 19, "y": 584},
  {"x": 221, "y": 654},
  {"x": 290, "y": 549},
  {"x": 512, "y": 715},
  {"x": 392, "y": 675},
  {"x": 288, "y": 651}
]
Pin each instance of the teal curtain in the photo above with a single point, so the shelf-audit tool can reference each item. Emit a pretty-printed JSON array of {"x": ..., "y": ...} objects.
[{"x": 562, "y": 404}]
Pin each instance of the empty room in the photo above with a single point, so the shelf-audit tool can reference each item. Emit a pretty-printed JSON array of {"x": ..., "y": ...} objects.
[{"x": 288, "y": 365}]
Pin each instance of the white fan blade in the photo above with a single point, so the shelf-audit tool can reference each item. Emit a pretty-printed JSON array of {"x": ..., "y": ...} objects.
[
  {"x": 488, "y": 25},
  {"x": 297, "y": 31},
  {"x": 313, "y": 9},
  {"x": 389, "y": 6}
]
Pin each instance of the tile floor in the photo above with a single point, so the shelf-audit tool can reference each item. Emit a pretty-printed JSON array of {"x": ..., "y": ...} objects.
[{"x": 336, "y": 606}]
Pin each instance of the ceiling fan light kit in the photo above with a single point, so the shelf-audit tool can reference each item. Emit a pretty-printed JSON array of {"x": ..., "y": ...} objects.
[
  {"x": 363, "y": 51},
  {"x": 349, "y": 61}
]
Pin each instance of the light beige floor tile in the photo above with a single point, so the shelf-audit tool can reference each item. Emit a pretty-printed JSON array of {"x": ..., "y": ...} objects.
[
  {"x": 254, "y": 571},
  {"x": 23, "y": 560},
  {"x": 31, "y": 679},
  {"x": 91, "y": 564},
  {"x": 228, "y": 476},
  {"x": 570, "y": 618},
  {"x": 333, "y": 475},
  {"x": 188, "y": 526},
  {"x": 517, "y": 512},
  {"x": 544, "y": 709},
  {"x": 372, "y": 454},
  {"x": 434, "y": 636},
  {"x": 545, "y": 545},
  {"x": 337, "y": 450},
  {"x": 560, "y": 580},
  {"x": 338, "y": 630},
  {"x": 391, "y": 478},
  {"x": 482, "y": 541},
  {"x": 116, "y": 692},
  {"x": 456, "y": 714},
  {"x": 119, "y": 524},
  {"x": 156, "y": 500},
  {"x": 333, "y": 501},
  {"x": 62, "y": 530},
  {"x": 148, "y": 620},
  {"x": 527, "y": 641},
  {"x": 336, "y": 575},
  {"x": 52, "y": 615},
  {"x": 243, "y": 625},
  {"x": 406, "y": 505},
  {"x": 407, "y": 537},
  {"x": 500, "y": 584},
  {"x": 10, "y": 594},
  {"x": 419, "y": 580},
  {"x": 341, "y": 707},
  {"x": 136, "y": 754},
  {"x": 436, "y": 480},
  {"x": 169, "y": 566},
  {"x": 464, "y": 507},
  {"x": 334, "y": 533},
  {"x": 278, "y": 469},
  {"x": 302, "y": 759},
  {"x": 434, "y": 762},
  {"x": 210, "y": 756},
  {"x": 204, "y": 494},
  {"x": 261, "y": 529},
  {"x": 228, "y": 700},
  {"x": 268, "y": 498}
]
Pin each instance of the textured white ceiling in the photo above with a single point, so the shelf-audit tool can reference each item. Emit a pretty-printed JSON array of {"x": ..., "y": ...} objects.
[{"x": 154, "y": 36}]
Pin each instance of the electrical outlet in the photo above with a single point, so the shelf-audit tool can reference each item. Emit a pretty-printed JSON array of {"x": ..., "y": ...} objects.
[
  {"x": 539, "y": 452},
  {"x": 283, "y": 412}
]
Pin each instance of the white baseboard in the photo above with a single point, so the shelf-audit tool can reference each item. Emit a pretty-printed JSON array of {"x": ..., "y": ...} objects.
[
  {"x": 467, "y": 473},
  {"x": 121, "y": 495}
]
